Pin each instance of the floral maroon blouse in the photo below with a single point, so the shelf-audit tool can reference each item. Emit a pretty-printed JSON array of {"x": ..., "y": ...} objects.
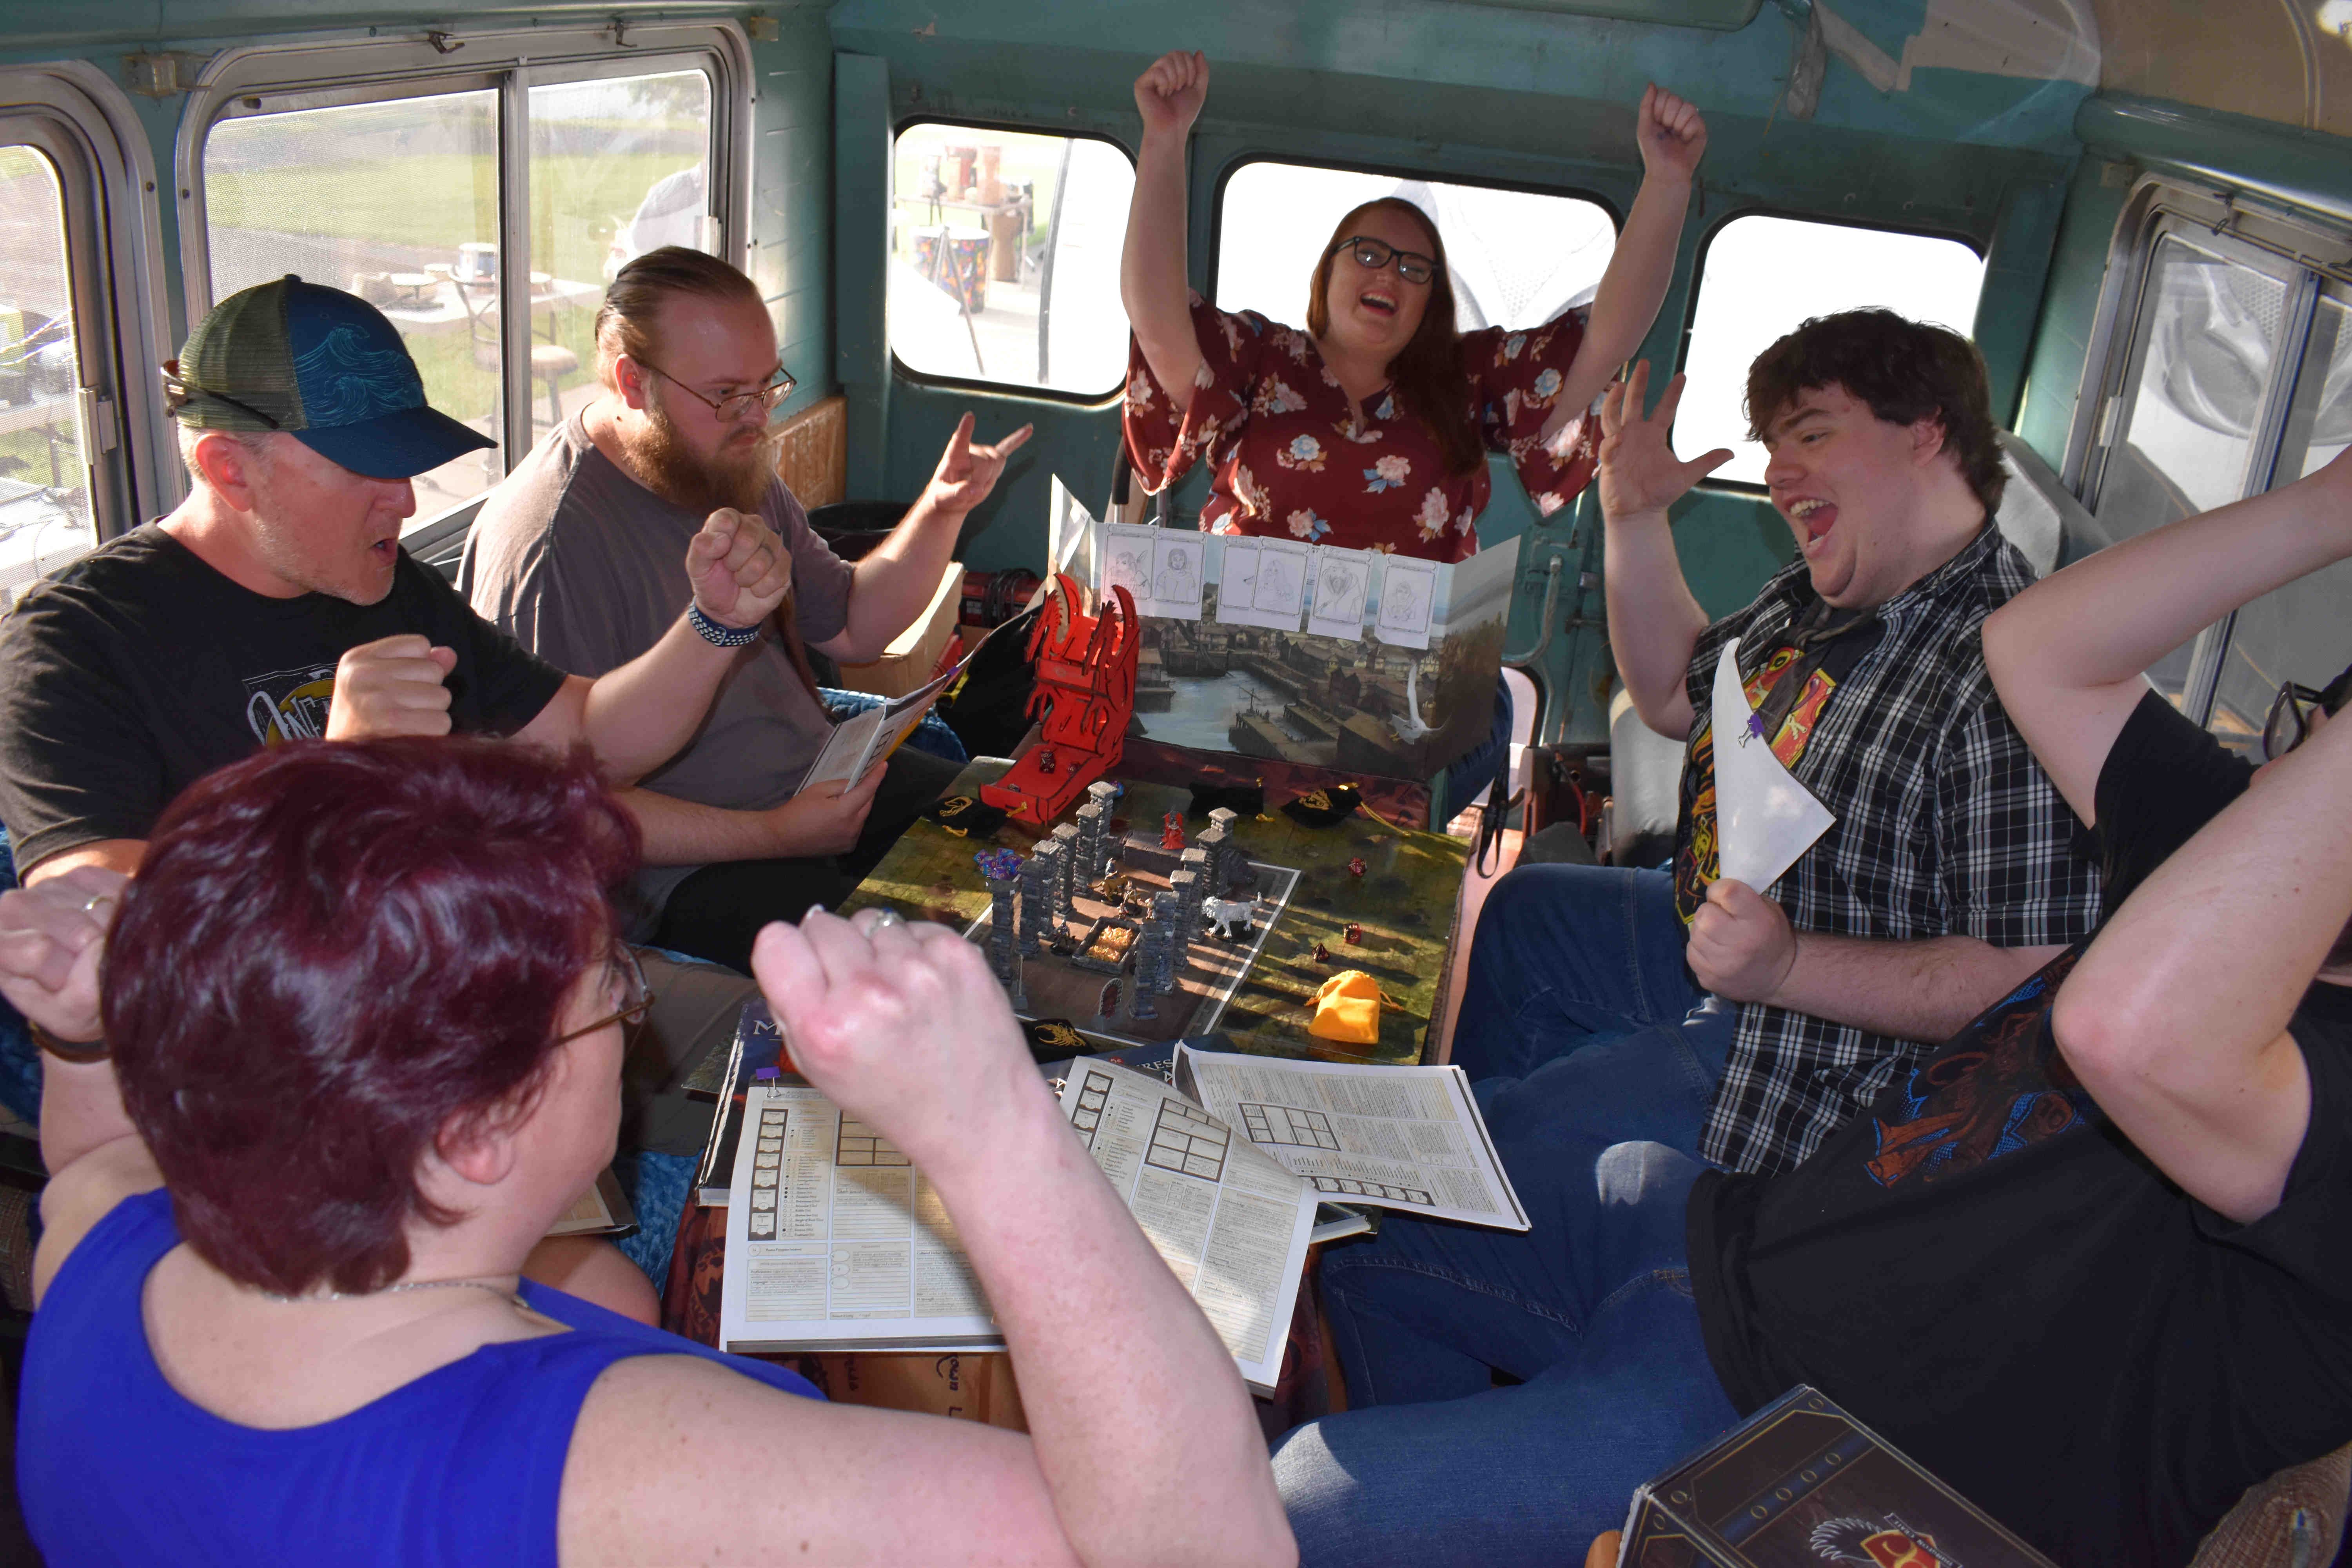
[{"x": 1291, "y": 458}]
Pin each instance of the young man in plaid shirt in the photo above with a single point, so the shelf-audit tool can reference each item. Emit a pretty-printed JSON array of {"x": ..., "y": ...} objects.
[{"x": 1746, "y": 1024}]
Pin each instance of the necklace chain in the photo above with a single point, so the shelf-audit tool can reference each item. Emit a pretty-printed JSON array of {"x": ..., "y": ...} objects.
[{"x": 499, "y": 1290}]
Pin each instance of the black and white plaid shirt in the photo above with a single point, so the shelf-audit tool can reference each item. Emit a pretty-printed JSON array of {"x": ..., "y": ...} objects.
[{"x": 1946, "y": 825}]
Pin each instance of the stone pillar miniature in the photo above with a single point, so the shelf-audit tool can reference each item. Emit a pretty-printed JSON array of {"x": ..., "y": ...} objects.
[
  {"x": 1089, "y": 869},
  {"x": 1071, "y": 885},
  {"x": 1184, "y": 884},
  {"x": 1229, "y": 866},
  {"x": 1167, "y": 914},
  {"x": 1038, "y": 875},
  {"x": 1103, "y": 794},
  {"x": 1001, "y": 870}
]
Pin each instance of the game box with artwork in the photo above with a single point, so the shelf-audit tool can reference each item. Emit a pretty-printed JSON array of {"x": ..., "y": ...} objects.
[{"x": 1801, "y": 1484}]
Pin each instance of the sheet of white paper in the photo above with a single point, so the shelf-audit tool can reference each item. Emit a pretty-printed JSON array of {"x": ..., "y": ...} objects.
[
  {"x": 1763, "y": 817},
  {"x": 1342, "y": 578},
  {"x": 1237, "y": 582},
  {"x": 1282, "y": 570},
  {"x": 1127, "y": 561},
  {"x": 1176, "y": 575},
  {"x": 1408, "y": 592},
  {"x": 1071, "y": 531},
  {"x": 848, "y": 751}
]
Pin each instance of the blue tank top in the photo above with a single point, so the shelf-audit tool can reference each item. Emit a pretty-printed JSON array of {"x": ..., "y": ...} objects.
[{"x": 462, "y": 1466}]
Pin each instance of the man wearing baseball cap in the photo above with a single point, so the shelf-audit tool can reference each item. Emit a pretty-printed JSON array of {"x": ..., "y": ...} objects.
[{"x": 275, "y": 604}]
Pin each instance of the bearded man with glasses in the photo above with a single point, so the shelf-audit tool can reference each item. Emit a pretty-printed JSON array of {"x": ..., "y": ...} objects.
[{"x": 569, "y": 556}]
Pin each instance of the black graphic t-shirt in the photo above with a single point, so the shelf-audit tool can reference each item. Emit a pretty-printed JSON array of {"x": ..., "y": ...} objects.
[
  {"x": 139, "y": 668},
  {"x": 1991, "y": 1275}
]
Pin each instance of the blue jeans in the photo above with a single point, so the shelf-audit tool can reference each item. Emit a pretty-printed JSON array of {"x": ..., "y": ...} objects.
[
  {"x": 1592, "y": 1309},
  {"x": 1578, "y": 991}
]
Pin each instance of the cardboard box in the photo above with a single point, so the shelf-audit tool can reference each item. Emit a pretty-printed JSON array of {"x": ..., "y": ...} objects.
[
  {"x": 962, "y": 1385},
  {"x": 914, "y": 653}
]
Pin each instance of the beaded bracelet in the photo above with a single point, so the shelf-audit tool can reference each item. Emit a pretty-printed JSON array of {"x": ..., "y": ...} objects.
[{"x": 718, "y": 635}]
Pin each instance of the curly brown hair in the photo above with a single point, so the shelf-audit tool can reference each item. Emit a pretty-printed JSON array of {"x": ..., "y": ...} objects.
[{"x": 1905, "y": 371}]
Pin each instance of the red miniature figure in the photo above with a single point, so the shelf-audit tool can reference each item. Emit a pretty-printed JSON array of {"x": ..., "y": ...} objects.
[
  {"x": 1171, "y": 833},
  {"x": 1355, "y": 867},
  {"x": 1355, "y": 934},
  {"x": 1047, "y": 761},
  {"x": 1085, "y": 692}
]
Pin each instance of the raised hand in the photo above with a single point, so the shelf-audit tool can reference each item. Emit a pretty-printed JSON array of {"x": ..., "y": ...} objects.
[
  {"x": 903, "y": 1026},
  {"x": 739, "y": 570},
  {"x": 968, "y": 473},
  {"x": 393, "y": 686},
  {"x": 52, "y": 936},
  {"x": 1670, "y": 133},
  {"x": 1170, "y": 93},
  {"x": 1639, "y": 473}
]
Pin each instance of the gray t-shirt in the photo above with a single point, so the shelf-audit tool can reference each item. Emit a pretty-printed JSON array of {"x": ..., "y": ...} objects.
[{"x": 586, "y": 567}]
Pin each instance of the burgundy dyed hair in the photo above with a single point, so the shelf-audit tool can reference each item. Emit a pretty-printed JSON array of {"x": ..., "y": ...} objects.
[
  {"x": 1428, "y": 370},
  {"x": 333, "y": 950}
]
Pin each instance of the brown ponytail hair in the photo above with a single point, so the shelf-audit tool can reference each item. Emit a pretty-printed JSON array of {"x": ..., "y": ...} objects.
[{"x": 1428, "y": 370}]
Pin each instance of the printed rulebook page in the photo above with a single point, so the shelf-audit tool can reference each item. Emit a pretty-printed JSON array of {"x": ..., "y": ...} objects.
[
  {"x": 1406, "y": 1138},
  {"x": 1231, "y": 1223},
  {"x": 836, "y": 1241}
]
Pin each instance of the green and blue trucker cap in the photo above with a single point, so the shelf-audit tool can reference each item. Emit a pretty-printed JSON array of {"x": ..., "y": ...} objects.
[{"x": 324, "y": 366}]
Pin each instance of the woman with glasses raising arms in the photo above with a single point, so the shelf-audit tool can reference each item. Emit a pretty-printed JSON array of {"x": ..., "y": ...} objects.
[
  {"x": 1369, "y": 429},
  {"x": 365, "y": 1009}
]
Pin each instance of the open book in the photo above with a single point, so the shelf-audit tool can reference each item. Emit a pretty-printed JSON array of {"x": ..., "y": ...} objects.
[
  {"x": 836, "y": 1241},
  {"x": 860, "y": 741}
]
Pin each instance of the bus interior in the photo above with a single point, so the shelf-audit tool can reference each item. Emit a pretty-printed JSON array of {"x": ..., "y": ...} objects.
[{"x": 2141, "y": 215}]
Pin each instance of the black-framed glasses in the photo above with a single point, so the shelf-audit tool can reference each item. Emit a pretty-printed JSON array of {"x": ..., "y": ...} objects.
[
  {"x": 636, "y": 996},
  {"x": 1410, "y": 265},
  {"x": 736, "y": 406}
]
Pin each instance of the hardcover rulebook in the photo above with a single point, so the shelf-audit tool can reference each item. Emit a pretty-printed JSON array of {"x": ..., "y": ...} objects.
[{"x": 1801, "y": 1484}]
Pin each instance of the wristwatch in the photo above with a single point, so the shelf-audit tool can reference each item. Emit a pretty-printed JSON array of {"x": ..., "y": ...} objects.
[{"x": 718, "y": 635}]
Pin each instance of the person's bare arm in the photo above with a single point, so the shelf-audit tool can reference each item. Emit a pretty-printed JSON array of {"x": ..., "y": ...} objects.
[
  {"x": 1742, "y": 949},
  {"x": 895, "y": 582},
  {"x": 637, "y": 717},
  {"x": 1653, "y": 620},
  {"x": 907, "y": 1030},
  {"x": 1152, "y": 284},
  {"x": 1672, "y": 138},
  {"x": 2066, "y": 655},
  {"x": 2175, "y": 1020},
  {"x": 823, "y": 819}
]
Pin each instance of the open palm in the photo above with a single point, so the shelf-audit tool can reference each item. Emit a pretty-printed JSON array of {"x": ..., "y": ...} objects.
[{"x": 1639, "y": 471}]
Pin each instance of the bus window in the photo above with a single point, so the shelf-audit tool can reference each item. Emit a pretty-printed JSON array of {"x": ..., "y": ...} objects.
[
  {"x": 1519, "y": 258},
  {"x": 1761, "y": 277},
  {"x": 2231, "y": 373},
  {"x": 1004, "y": 257},
  {"x": 46, "y": 518},
  {"x": 2303, "y": 631},
  {"x": 397, "y": 202},
  {"x": 618, "y": 167}
]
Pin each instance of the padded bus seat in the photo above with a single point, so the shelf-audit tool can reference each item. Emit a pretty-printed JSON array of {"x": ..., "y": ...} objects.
[{"x": 1646, "y": 771}]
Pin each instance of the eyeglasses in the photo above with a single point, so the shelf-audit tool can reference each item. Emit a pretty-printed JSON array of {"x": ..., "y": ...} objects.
[
  {"x": 2288, "y": 723},
  {"x": 1410, "y": 265},
  {"x": 738, "y": 405},
  {"x": 636, "y": 996}
]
